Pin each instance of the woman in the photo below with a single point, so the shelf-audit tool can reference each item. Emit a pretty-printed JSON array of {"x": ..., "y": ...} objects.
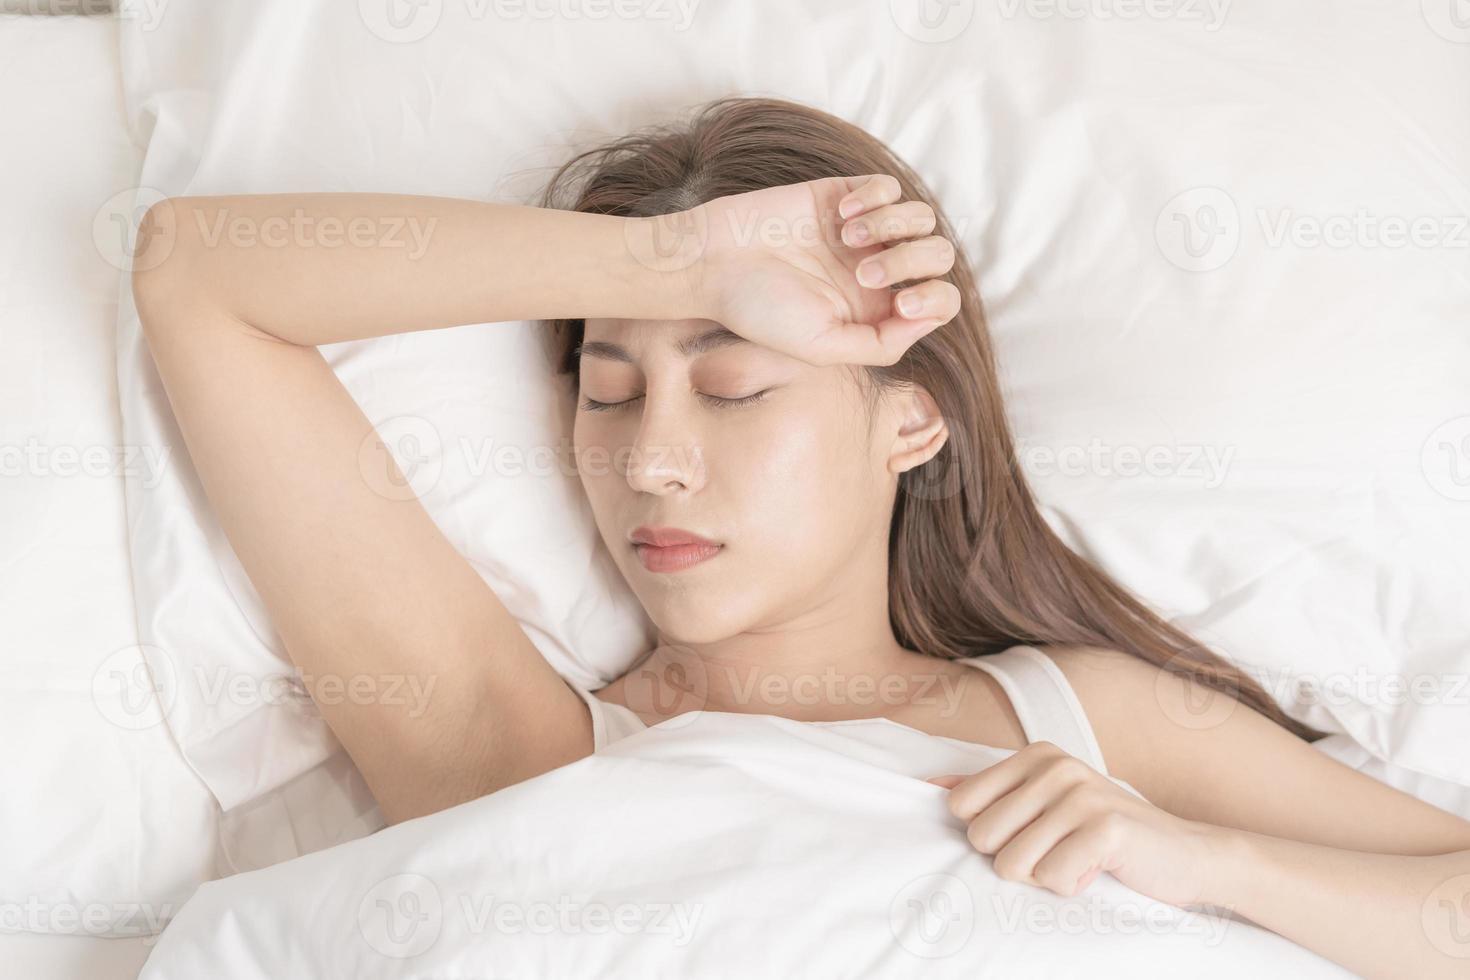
[{"x": 782, "y": 365}]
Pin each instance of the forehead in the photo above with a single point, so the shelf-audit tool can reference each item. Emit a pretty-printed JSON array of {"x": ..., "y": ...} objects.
[{"x": 623, "y": 340}]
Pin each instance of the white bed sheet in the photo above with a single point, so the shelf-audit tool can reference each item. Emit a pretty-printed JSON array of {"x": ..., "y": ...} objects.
[
  {"x": 103, "y": 827},
  {"x": 32, "y": 956}
]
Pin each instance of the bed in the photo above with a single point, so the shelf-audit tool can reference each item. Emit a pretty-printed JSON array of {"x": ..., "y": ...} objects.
[
  {"x": 104, "y": 822},
  {"x": 1223, "y": 251}
]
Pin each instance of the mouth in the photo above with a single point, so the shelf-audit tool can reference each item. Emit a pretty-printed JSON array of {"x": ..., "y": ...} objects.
[{"x": 667, "y": 549}]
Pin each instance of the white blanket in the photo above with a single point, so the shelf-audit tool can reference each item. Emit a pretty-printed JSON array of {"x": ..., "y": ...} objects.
[{"x": 713, "y": 845}]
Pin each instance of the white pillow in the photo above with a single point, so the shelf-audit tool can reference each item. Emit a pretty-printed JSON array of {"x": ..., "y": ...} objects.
[{"x": 1325, "y": 383}]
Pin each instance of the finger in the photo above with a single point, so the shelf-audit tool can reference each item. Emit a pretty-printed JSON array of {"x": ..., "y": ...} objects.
[
  {"x": 868, "y": 192},
  {"x": 1016, "y": 860},
  {"x": 1074, "y": 862},
  {"x": 985, "y": 787},
  {"x": 948, "y": 782},
  {"x": 922, "y": 258},
  {"x": 988, "y": 785},
  {"x": 996, "y": 825},
  {"x": 878, "y": 345},
  {"x": 893, "y": 222},
  {"x": 935, "y": 299}
]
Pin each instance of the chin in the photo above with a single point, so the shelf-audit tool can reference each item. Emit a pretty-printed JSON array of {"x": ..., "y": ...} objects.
[
  {"x": 692, "y": 619},
  {"x": 687, "y": 626}
]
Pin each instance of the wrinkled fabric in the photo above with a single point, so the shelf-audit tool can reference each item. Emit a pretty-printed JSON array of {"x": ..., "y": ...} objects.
[{"x": 711, "y": 845}]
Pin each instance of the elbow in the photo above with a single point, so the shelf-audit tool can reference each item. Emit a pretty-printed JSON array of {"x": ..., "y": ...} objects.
[{"x": 160, "y": 256}]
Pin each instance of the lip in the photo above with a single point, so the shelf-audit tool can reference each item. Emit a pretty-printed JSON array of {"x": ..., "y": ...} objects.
[{"x": 671, "y": 549}]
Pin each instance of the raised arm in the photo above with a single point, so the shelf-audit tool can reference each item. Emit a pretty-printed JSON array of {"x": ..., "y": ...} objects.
[
  {"x": 771, "y": 265},
  {"x": 359, "y": 585},
  {"x": 315, "y": 269}
]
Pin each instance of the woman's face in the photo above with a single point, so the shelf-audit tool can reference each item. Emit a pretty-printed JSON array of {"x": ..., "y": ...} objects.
[{"x": 764, "y": 455}]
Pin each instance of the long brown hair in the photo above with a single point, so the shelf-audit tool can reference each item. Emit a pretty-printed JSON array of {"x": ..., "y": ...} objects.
[{"x": 973, "y": 567}]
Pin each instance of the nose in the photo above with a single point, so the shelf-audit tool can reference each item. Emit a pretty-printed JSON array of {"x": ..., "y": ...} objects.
[{"x": 666, "y": 457}]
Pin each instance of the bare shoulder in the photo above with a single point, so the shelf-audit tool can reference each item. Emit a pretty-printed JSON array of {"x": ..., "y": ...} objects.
[
  {"x": 962, "y": 702},
  {"x": 1133, "y": 703},
  {"x": 1140, "y": 707},
  {"x": 1111, "y": 682},
  {"x": 1099, "y": 664}
]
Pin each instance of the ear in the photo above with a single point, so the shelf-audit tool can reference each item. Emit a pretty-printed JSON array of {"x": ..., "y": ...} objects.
[{"x": 921, "y": 432}]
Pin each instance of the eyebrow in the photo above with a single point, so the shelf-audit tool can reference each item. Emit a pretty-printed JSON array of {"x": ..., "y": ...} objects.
[{"x": 712, "y": 339}]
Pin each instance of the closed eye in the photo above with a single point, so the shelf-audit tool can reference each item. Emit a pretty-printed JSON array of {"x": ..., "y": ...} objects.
[
  {"x": 592, "y": 405},
  {"x": 734, "y": 402}
]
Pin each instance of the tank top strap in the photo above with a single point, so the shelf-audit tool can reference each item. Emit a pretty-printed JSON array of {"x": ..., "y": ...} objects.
[
  {"x": 610, "y": 721},
  {"x": 1044, "y": 701}
]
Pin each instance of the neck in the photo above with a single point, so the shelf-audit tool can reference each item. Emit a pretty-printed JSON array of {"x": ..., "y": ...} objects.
[{"x": 835, "y": 659}]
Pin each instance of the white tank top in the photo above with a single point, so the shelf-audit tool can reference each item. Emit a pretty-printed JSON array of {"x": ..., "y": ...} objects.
[{"x": 1039, "y": 692}]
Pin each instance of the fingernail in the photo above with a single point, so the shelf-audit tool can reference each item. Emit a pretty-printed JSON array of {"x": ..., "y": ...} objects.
[
  {"x": 909, "y": 304},
  {"x": 870, "y": 273},
  {"x": 849, "y": 207},
  {"x": 857, "y": 234}
]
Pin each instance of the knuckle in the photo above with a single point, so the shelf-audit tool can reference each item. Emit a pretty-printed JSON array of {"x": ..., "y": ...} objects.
[
  {"x": 979, "y": 837},
  {"x": 890, "y": 226},
  {"x": 1112, "y": 826},
  {"x": 923, "y": 218},
  {"x": 1009, "y": 867},
  {"x": 1054, "y": 881},
  {"x": 1083, "y": 795},
  {"x": 956, "y": 802},
  {"x": 1066, "y": 768}
]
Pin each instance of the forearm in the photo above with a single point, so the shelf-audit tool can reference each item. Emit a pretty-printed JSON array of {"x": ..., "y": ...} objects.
[
  {"x": 315, "y": 269},
  {"x": 1379, "y": 915}
]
